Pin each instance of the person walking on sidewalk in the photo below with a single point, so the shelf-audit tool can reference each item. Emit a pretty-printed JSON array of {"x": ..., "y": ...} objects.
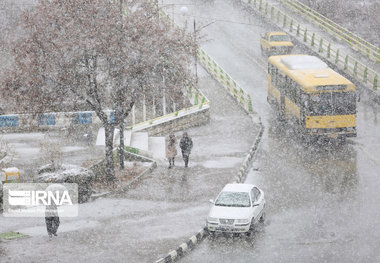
[
  {"x": 52, "y": 219},
  {"x": 186, "y": 144},
  {"x": 171, "y": 148}
]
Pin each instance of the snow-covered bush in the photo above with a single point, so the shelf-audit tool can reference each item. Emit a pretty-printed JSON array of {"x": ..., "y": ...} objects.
[{"x": 68, "y": 174}]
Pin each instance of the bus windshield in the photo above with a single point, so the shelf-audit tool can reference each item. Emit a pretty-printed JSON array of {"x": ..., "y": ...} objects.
[{"x": 332, "y": 103}]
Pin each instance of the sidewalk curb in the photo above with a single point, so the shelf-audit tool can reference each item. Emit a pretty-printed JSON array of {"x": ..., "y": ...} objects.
[
  {"x": 247, "y": 161},
  {"x": 196, "y": 239},
  {"x": 184, "y": 247}
]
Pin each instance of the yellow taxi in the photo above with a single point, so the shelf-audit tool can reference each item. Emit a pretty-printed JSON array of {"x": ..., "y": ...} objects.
[{"x": 276, "y": 43}]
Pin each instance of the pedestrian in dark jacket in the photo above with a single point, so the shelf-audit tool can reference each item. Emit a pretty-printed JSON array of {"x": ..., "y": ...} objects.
[
  {"x": 51, "y": 219},
  {"x": 171, "y": 148},
  {"x": 186, "y": 144}
]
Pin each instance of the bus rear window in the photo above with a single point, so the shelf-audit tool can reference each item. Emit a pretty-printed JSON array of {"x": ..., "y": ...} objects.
[{"x": 332, "y": 103}]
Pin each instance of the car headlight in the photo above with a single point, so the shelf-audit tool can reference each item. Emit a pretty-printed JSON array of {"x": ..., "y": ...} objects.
[
  {"x": 350, "y": 129},
  {"x": 212, "y": 219},
  {"x": 242, "y": 221}
]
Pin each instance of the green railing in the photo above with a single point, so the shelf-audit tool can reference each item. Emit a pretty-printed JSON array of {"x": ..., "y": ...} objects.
[
  {"x": 242, "y": 97},
  {"x": 198, "y": 99},
  {"x": 345, "y": 62},
  {"x": 356, "y": 42}
]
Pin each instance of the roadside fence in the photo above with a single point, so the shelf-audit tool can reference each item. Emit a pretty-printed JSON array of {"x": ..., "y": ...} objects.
[
  {"x": 350, "y": 65},
  {"x": 353, "y": 40},
  {"x": 234, "y": 89}
]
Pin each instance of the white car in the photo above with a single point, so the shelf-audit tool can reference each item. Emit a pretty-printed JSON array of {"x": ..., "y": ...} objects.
[{"x": 237, "y": 209}]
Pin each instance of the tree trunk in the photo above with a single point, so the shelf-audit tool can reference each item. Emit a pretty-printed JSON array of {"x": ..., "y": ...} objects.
[
  {"x": 121, "y": 148},
  {"x": 110, "y": 165}
]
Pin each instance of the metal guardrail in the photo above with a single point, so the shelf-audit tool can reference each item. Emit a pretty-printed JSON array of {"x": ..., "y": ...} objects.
[
  {"x": 242, "y": 97},
  {"x": 356, "y": 42},
  {"x": 200, "y": 102},
  {"x": 345, "y": 62}
]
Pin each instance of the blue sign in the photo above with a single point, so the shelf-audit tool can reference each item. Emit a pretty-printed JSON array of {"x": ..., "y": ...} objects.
[
  {"x": 82, "y": 118},
  {"x": 46, "y": 119},
  {"x": 8, "y": 121}
]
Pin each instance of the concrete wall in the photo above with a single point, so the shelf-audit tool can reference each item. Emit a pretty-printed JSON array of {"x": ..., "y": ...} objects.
[{"x": 180, "y": 123}]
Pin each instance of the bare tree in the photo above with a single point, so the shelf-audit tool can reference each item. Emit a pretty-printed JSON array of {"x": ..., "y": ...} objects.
[{"x": 84, "y": 50}]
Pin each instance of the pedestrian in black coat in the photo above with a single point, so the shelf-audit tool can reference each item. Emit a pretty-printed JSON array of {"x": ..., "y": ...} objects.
[
  {"x": 52, "y": 219},
  {"x": 186, "y": 144}
]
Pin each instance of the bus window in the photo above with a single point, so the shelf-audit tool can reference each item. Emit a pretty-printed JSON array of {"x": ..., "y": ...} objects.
[
  {"x": 332, "y": 103},
  {"x": 344, "y": 103},
  {"x": 320, "y": 104}
]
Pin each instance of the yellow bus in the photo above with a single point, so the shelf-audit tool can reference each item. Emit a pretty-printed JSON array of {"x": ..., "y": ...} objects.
[{"x": 305, "y": 91}]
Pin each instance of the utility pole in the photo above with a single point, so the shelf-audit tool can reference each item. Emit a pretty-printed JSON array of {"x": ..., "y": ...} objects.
[
  {"x": 121, "y": 146},
  {"x": 195, "y": 57}
]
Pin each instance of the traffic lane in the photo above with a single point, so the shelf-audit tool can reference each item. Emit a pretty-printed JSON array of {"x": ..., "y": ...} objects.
[
  {"x": 233, "y": 41},
  {"x": 319, "y": 209},
  {"x": 225, "y": 38},
  {"x": 320, "y": 176},
  {"x": 312, "y": 216},
  {"x": 368, "y": 125}
]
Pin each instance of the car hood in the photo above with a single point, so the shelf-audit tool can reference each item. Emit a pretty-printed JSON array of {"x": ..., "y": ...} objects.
[
  {"x": 281, "y": 44},
  {"x": 226, "y": 212}
]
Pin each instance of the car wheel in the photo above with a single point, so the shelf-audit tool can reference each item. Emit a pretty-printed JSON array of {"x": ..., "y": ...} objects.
[
  {"x": 252, "y": 227},
  {"x": 211, "y": 234},
  {"x": 262, "y": 218}
]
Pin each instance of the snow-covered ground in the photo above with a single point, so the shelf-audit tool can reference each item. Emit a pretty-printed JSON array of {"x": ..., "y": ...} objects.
[{"x": 159, "y": 213}]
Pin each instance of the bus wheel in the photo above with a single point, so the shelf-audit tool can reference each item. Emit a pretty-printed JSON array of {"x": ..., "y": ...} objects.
[
  {"x": 280, "y": 115},
  {"x": 342, "y": 139},
  {"x": 305, "y": 138}
]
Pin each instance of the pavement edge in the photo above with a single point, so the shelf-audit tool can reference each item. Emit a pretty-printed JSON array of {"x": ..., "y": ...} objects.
[{"x": 199, "y": 237}]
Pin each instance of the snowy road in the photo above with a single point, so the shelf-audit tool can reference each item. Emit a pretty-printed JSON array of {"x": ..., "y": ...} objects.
[{"x": 323, "y": 201}]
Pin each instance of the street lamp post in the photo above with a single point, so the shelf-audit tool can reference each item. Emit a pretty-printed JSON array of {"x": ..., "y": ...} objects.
[
  {"x": 184, "y": 11},
  {"x": 195, "y": 57}
]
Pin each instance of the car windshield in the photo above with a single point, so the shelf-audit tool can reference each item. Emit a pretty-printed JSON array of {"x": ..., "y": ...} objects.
[
  {"x": 332, "y": 103},
  {"x": 233, "y": 199},
  {"x": 279, "y": 38}
]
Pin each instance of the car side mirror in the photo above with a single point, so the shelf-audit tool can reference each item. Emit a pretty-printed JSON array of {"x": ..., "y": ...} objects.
[
  {"x": 255, "y": 204},
  {"x": 211, "y": 201}
]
